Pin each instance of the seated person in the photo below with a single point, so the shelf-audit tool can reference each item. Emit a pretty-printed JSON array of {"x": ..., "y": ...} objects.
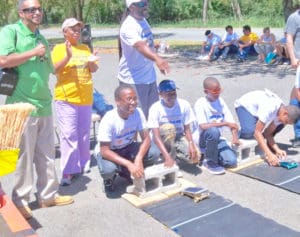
[
  {"x": 281, "y": 51},
  {"x": 246, "y": 43},
  {"x": 211, "y": 45},
  {"x": 262, "y": 114},
  {"x": 213, "y": 116},
  {"x": 170, "y": 120},
  {"x": 265, "y": 44},
  {"x": 119, "y": 152},
  {"x": 229, "y": 44}
]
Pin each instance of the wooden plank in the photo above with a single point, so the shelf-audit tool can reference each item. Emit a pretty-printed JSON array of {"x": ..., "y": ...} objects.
[
  {"x": 14, "y": 220},
  {"x": 140, "y": 202}
]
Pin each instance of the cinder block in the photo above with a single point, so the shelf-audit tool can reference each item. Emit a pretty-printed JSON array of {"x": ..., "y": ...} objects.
[
  {"x": 157, "y": 178},
  {"x": 246, "y": 150}
]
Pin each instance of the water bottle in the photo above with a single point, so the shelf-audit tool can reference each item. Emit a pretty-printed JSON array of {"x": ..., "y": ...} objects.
[{"x": 162, "y": 47}]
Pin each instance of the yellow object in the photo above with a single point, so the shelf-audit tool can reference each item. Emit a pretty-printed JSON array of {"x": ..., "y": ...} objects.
[{"x": 8, "y": 161}]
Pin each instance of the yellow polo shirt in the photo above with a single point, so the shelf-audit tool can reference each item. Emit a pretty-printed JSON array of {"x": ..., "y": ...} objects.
[
  {"x": 251, "y": 37},
  {"x": 74, "y": 81}
]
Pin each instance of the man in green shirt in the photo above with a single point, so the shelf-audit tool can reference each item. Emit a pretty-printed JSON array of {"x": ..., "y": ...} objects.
[{"x": 23, "y": 47}]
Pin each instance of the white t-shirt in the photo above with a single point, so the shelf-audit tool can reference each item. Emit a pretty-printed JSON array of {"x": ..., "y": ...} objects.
[
  {"x": 263, "y": 104},
  {"x": 231, "y": 37},
  {"x": 180, "y": 114},
  {"x": 134, "y": 67},
  {"x": 212, "y": 112},
  {"x": 120, "y": 132}
]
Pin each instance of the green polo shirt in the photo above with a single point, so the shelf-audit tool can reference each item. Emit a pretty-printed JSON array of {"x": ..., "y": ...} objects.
[{"x": 33, "y": 75}]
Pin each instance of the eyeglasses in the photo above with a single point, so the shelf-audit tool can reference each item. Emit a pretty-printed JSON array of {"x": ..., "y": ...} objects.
[
  {"x": 140, "y": 4},
  {"x": 32, "y": 10}
]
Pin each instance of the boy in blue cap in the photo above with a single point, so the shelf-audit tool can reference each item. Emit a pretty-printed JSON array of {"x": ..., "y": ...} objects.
[{"x": 170, "y": 120}]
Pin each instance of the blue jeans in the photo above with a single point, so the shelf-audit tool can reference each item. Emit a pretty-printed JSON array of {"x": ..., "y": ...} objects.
[
  {"x": 108, "y": 169},
  {"x": 245, "y": 52},
  {"x": 297, "y": 124},
  {"x": 248, "y": 123},
  {"x": 217, "y": 149},
  {"x": 231, "y": 49},
  {"x": 216, "y": 52}
]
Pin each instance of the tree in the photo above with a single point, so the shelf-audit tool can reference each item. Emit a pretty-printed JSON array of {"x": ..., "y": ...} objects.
[
  {"x": 204, "y": 11},
  {"x": 236, "y": 9},
  {"x": 289, "y": 6}
]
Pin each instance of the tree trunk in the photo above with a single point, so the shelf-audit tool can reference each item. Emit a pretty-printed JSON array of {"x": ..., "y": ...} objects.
[
  {"x": 204, "y": 11},
  {"x": 289, "y": 6},
  {"x": 236, "y": 9}
]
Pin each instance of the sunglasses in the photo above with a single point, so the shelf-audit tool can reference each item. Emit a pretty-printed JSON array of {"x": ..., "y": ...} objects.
[
  {"x": 215, "y": 91},
  {"x": 32, "y": 10},
  {"x": 140, "y": 4}
]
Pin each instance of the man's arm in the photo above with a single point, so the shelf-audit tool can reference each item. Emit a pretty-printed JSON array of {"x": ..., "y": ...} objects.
[
  {"x": 15, "y": 59},
  {"x": 144, "y": 49},
  {"x": 192, "y": 146},
  {"x": 112, "y": 156},
  {"x": 290, "y": 48},
  {"x": 159, "y": 143},
  {"x": 258, "y": 135}
]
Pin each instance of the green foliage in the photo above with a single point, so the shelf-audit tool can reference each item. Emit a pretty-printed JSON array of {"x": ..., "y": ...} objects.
[{"x": 261, "y": 12}]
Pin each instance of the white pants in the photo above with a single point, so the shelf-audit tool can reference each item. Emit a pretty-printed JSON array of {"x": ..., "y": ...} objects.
[{"x": 36, "y": 149}]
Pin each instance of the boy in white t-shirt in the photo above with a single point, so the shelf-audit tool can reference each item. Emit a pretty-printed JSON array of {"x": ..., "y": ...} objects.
[
  {"x": 213, "y": 116},
  {"x": 170, "y": 120},
  {"x": 262, "y": 114},
  {"x": 119, "y": 151}
]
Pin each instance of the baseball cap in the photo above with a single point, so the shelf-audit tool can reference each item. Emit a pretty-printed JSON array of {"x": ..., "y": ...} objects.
[
  {"x": 129, "y": 2},
  {"x": 166, "y": 86},
  {"x": 208, "y": 32},
  {"x": 69, "y": 22}
]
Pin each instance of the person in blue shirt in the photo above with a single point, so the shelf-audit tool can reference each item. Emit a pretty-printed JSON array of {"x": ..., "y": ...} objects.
[
  {"x": 229, "y": 44},
  {"x": 211, "y": 45}
]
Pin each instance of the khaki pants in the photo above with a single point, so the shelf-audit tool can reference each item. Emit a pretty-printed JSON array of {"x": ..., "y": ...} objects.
[{"x": 36, "y": 150}]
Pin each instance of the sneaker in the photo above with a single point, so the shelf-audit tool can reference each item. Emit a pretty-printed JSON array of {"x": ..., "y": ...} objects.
[
  {"x": 58, "y": 200},
  {"x": 213, "y": 168},
  {"x": 240, "y": 60},
  {"x": 66, "y": 180},
  {"x": 296, "y": 142},
  {"x": 25, "y": 212},
  {"x": 109, "y": 186}
]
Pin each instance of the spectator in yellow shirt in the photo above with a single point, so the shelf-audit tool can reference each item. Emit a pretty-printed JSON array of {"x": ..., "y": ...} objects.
[
  {"x": 73, "y": 64},
  {"x": 246, "y": 43}
]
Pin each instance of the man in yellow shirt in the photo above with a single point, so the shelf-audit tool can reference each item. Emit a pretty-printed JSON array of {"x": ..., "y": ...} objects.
[{"x": 246, "y": 43}]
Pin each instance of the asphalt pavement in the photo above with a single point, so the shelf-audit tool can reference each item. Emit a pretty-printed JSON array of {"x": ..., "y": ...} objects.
[{"x": 93, "y": 214}]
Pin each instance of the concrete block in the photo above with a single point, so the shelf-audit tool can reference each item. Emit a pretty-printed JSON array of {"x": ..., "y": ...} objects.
[
  {"x": 157, "y": 178},
  {"x": 247, "y": 149}
]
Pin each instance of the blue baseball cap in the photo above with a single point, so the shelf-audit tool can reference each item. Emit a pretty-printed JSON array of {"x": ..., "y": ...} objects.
[{"x": 166, "y": 86}]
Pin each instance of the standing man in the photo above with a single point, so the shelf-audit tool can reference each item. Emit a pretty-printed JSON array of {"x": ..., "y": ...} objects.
[
  {"x": 26, "y": 49},
  {"x": 138, "y": 55},
  {"x": 293, "y": 46}
]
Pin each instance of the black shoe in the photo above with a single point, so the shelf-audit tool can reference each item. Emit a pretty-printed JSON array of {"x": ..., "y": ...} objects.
[
  {"x": 126, "y": 175},
  {"x": 296, "y": 142},
  {"x": 108, "y": 185},
  {"x": 240, "y": 60}
]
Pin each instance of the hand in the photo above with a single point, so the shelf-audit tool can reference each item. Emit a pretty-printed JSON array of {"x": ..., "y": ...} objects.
[
  {"x": 236, "y": 141},
  {"x": 169, "y": 162},
  {"x": 135, "y": 170},
  {"x": 281, "y": 154},
  {"x": 193, "y": 153},
  {"x": 163, "y": 66},
  {"x": 40, "y": 50},
  {"x": 272, "y": 159},
  {"x": 68, "y": 49}
]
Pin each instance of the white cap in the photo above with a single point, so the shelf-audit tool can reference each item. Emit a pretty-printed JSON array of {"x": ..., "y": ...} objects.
[
  {"x": 129, "y": 2},
  {"x": 69, "y": 22}
]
